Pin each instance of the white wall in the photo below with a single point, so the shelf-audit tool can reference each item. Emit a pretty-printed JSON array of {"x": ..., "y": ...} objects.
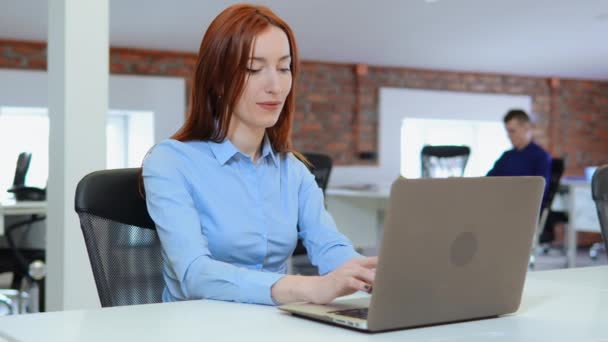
[
  {"x": 165, "y": 96},
  {"x": 395, "y": 104}
]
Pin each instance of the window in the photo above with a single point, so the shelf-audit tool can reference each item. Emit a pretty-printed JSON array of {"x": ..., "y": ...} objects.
[
  {"x": 487, "y": 140},
  {"x": 129, "y": 135},
  {"x": 21, "y": 130}
]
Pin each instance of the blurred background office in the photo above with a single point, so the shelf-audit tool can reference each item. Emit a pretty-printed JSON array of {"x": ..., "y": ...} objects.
[{"x": 379, "y": 82}]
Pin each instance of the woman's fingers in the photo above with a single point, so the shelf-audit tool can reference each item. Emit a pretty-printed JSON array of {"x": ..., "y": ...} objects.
[
  {"x": 365, "y": 274},
  {"x": 357, "y": 275},
  {"x": 359, "y": 285},
  {"x": 367, "y": 262},
  {"x": 361, "y": 273}
]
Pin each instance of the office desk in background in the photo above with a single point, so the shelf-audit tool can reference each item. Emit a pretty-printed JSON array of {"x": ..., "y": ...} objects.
[
  {"x": 577, "y": 202},
  {"x": 564, "y": 305},
  {"x": 359, "y": 212},
  {"x": 9, "y": 207}
]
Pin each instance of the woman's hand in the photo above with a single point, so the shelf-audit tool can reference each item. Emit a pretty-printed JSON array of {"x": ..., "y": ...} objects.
[{"x": 355, "y": 275}]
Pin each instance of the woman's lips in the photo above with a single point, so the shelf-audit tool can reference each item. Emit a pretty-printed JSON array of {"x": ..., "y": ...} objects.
[{"x": 270, "y": 105}]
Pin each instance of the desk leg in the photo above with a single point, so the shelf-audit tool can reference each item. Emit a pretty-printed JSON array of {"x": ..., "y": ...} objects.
[
  {"x": 1, "y": 222},
  {"x": 571, "y": 245},
  {"x": 570, "y": 237}
]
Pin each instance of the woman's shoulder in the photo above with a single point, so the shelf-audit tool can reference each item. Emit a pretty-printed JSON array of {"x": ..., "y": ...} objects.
[
  {"x": 290, "y": 158},
  {"x": 174, "y": 153},
  {"x": 294, "y": 163}
]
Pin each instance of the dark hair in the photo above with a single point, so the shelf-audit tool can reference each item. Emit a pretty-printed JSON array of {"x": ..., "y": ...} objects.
[
  {"x": 220, "y": 76},
  {"x": 516, "y": 114}
]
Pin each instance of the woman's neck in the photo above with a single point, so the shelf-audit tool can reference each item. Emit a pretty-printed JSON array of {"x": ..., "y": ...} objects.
[{"x": 248, "y": 140}]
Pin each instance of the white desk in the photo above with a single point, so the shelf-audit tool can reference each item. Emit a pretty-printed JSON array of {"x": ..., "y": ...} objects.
[
  {"x": 11, "y": 207},
  {"x": 359, "y": 212},
  {"x": 565, "y": 305}
]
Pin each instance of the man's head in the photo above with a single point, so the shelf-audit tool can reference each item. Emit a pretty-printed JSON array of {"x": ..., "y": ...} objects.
[{"x": 519, "y": 128}]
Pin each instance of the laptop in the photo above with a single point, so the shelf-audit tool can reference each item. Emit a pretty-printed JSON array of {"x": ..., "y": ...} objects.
[{"x": 454, "y": 249}]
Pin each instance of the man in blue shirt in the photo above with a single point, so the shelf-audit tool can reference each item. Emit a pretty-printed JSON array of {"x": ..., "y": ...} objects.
[{"x": 526, "y": 158}]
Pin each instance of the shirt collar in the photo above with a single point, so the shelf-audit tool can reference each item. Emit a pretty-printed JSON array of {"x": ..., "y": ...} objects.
[
  {"x": 225, "y": 150},
  {"x": 267, "y": 150}
]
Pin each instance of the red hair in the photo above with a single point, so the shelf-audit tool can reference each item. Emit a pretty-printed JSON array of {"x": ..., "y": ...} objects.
[{"x": 220, "y": 74}]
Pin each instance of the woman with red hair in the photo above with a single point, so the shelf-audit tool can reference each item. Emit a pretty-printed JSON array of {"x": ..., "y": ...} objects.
[{"x": 228, "y": 193}]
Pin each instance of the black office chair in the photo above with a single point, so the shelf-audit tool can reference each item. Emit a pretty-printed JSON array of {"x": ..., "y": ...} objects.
[
  {"x": 26, "y": 264},
  {"x": 442, "y": 161},
  {"x": 23, "y": 164},
  {"x": 599, "y": 191},
  {"x": 28, "y": 269},
  {"x": 21, "y": 191},
  {"x": 557, "y": 171},
  {"x": 321, "y": 165},
  {"x": 121, "y": 238}
]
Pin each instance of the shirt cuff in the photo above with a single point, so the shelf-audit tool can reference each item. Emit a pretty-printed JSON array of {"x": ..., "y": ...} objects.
[{"x": 257, "y": 286}]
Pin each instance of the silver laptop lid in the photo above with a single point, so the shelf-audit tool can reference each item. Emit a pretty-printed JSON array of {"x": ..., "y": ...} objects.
[{"x": 454, "y": 249}]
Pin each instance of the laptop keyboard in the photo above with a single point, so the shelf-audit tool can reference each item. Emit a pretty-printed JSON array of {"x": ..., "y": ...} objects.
[{"x": 356, "y": 313}]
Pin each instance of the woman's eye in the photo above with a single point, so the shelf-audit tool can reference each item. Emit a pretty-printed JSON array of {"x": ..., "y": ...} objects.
[
  {"x": 253, "y": 71},
  {"x": 285, "y": 69}
]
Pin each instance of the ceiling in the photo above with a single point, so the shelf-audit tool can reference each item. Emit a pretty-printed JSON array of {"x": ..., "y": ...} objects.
[{"x": 562, "y": 38}]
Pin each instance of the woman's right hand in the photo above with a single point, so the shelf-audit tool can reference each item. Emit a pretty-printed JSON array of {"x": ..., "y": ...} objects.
[{"x": 355, "y": 275}]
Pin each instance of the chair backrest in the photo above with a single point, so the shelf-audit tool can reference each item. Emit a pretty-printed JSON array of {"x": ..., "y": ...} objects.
[
  {"x": 442, "y": 161},
  {"x": 321, "y": 168},
  {"x": 599, "y": 191},
  {"x": 121, "y": 238},
  {"x": 557, "y": 170},
  {"x": 23, "y": 164}
]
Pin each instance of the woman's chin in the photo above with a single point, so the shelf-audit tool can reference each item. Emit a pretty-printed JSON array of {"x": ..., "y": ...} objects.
[{"x": 268, "y": 122}]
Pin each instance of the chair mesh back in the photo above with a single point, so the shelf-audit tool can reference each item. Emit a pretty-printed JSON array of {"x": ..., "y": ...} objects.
[
  {"x": 599, "y": 190},
  {"x": 120, "y": 236},
  {"x": 443, "y": 161},
  {"x": 126, "y": 261}
]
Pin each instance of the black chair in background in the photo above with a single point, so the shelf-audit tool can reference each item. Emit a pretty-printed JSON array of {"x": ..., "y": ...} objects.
[
  {"x": 557, "y": 171},
  {"x": 599, "y": 191},
  {"x": 321, "y": 165},
  {"x": 21, "y": 191},
  {"x": 121, "y": 239},
  {"x": 23, "y": 164},
  {"x": 26, "y": 264},
  {"x": 442, "y": 161}
]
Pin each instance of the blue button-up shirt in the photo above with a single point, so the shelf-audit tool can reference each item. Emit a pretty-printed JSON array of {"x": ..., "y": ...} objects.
[{"x": 227, "y": 225}]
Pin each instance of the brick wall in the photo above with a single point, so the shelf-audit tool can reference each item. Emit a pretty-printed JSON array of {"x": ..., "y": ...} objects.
[{"x": 337, "y": 104}]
